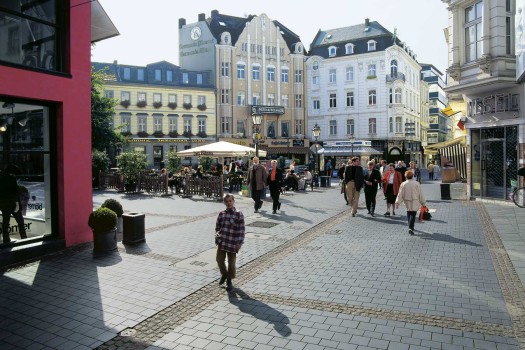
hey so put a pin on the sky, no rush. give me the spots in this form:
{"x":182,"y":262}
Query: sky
{"x":149,"y":29}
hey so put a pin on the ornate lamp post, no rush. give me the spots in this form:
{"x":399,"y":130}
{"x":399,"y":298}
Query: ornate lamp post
{"x":316,"y":132}
{"x":352,"y":141}
{"x":257,"y":120}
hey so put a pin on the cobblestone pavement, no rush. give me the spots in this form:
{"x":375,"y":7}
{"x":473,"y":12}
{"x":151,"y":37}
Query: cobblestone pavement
{"x":311,"y":277}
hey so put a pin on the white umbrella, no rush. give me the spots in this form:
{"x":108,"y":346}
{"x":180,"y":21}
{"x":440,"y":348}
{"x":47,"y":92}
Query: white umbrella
{"x":221,"y":149}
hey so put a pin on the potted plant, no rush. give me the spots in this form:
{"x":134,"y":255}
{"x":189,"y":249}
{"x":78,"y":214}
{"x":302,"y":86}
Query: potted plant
{"x":172,"y":105}
{"x":202,"y":107}
{"x":131,"y":164}
{"x":125,"y":103}
{"x":103,"y":222}
{"x":202,"y":134}
{"x":142,"y":134}
{"x":157,"y":104}
{"x":187,"y":134}
{"x":141,"y":103}
{"x":115,"y":205}
{"x":173,"y":133}
{"x":187,"y":105}
{"x":158,"y":134}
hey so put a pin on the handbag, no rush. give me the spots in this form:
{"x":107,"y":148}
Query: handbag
{"x":424,"y":214}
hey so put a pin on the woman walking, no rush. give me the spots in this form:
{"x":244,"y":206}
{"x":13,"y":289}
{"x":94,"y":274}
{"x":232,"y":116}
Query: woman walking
{"x":411,"y":194}
{"x":372,"y":179}
{"x":392,"y":179}
{"x":275,"y":182}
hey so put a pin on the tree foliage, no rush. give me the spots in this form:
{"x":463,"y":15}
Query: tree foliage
{"x":173,"y":162}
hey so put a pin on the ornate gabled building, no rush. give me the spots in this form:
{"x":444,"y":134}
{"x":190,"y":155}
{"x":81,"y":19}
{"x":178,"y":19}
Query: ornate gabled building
{"x":257,"y":66}
{"x":161,"y":107}
{"x":363,"y":88}
{"x":482,"y":74}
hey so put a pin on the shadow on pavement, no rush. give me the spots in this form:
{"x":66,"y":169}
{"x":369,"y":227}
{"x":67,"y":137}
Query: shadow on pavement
{"x":445,"y":238}
{"x":260,"y":310}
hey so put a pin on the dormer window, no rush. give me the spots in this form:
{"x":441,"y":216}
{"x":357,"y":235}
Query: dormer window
{"x":225,"y":38}
{"x":349,"y":49}
{"x":332,"y":51}
{"x":372,"y":45}
{"x":299,"y":48}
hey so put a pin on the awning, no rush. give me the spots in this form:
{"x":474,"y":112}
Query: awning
{"x":101,"y":25}
{"x":286,"y":150}
{"x":448,"y":111}
{"x":348,"y":151}
{"x":438,"y":146}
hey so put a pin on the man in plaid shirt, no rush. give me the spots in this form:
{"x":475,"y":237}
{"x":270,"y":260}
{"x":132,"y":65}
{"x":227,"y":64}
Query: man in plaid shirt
{"x":229,"y":236}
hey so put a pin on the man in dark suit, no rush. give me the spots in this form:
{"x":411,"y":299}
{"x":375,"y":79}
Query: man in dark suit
{"x":354,"y":182}
{"x":275,"y":182}
{"x":341,"y":175}
{"x":402,"y":169}
{"x":372,"y":179}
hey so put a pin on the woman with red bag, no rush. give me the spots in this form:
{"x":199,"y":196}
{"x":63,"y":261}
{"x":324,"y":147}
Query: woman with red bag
{"x":411,"y":194}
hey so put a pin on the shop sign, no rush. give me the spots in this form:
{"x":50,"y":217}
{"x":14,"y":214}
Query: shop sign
{"x":278,"y":143}
{"x":298,"y":143}
{"x":258,"y":109}
{"x":496,"y":103}
{"x":166,"y":140}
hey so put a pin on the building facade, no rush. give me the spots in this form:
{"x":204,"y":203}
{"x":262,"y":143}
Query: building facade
{"x":364,"y":88}
{"x":258,"y":69}
{"x":45,"y":118}
{"x":161,"y":107}
{"x":482,"y":72}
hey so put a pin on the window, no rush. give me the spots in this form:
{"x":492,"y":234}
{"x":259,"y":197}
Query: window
{"x":349,"y":49}
{"x":315,"y":80}
{"x":372,"y":126}
{"x":350,"y":127}
{"x":172,"y":123}
{"x":124,"y":96}
{"x":201,"y":125}
{"x":199,"y":78}
{"x":225,"y":96}
{"x":332,"y":76}
{"x":284,"y":100}
{"x":398,"y":95}
{"x":241,"y":99}
{"x":399,"y":124}
{"x":157,"y":97}
{"x":285,"y":129}
{"x":270,"y":130}
{"x":225,"y":69}
{"x":316,"y":104}
{"x":169,"y":75}
{"x":157,"y":124}
{"x":108,"y":94}
{"x":240,"y":71}
{"x":315,"y":65}
{"x":186,"y":99}
{"x":126,"y":123}
{"x":256,"y":73}
{"x":244,"y":47}
{"x":271,"y":100}
{"x":333,"y":100}
{"x":393,"y":68}
{"x":225,"y":125}
{"x":298,"y":100}
{"x":127,"y":73}
{"x":298,"y":76}
{"x":185,"y":78}
{"x":158,"y":75}
{"x":284,"y":75}
{"x":141,"y":97}
{"x":350,"y":99}
{"x":372,"y":97}
{"x":256,"y":99}
{"x":172,"y":98}
{"x":201,"y":100}
{"x":349,"y":73}
{"x":187,"y":124}
{"x":371,"y":71}
{"x":333,"y":127}
{"x":271,"y":74}
{"x":240,"y":127}
{"x":371,"y":45}
{"x":299,"y":127}
{"x":332,"y":51}
{"x":140,"y":74}
{"x":142,"y":123}
{"x":473,"y":31}
{"x":390,"y":125}
{"x":507,"y":36}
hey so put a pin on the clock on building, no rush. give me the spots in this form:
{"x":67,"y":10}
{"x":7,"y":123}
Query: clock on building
{"x":195,"y":33}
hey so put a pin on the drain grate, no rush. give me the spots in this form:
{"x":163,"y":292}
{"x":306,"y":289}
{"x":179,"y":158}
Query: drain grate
{"x":263,"y":224}
{"x":128,"y":332}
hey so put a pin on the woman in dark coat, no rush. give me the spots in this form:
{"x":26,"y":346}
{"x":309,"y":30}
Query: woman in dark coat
{"x":372,"y":179}
{"x":275,"y":182}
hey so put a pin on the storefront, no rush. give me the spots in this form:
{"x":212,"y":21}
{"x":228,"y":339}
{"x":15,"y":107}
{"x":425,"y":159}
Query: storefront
{"x":287,"y":148}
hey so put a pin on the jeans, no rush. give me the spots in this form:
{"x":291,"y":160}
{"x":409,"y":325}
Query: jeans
{"x":256,"y":196}
{"x":411,"y":216}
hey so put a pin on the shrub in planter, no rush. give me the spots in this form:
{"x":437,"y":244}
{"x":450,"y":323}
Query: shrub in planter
{"x":202,"y":107}
{"x":99,"y":162}
{"x":125,"y":103}
{"x":173,"y":133}
{"x":187,"y":105}
{"x":187,"y":134}
{"x":102,"y":220}
{"x":141,"y":104}
{"x":157,"y":104}
{"x":142,"y":134}
{"x":131,"y":164}
{"x":202,"y":134}
{"x":158,"y":134}
{"x":173,"y":162}
{"x":172,"y":105}
{"x":114,"y":205}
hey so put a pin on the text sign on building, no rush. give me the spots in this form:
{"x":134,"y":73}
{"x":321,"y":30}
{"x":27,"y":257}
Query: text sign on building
{"x":257,"y":109}
{"x":493,"y":104}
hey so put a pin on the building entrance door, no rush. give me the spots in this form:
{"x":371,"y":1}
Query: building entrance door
{"x":493,"y":168}
{"x":158,"y":156}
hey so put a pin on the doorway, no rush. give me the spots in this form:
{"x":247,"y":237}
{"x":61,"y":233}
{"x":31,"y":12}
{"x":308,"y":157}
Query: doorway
{"x":158,"y":156}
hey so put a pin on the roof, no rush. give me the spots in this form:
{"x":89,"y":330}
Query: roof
{"x":346,"y":34}
{"x":101,"y":25}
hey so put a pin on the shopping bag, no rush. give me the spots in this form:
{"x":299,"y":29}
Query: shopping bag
{"x":424,"y":214}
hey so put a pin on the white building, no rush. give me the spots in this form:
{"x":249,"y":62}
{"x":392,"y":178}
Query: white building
{"x":363,"y":85}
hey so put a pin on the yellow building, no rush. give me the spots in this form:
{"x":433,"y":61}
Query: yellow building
{"x":161,"y":107}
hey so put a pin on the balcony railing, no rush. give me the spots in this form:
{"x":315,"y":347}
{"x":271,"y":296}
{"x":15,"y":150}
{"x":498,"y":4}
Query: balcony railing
{"x":390,"y":78}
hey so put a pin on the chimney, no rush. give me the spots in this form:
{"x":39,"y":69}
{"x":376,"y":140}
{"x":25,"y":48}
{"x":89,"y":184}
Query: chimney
{"x":367,"y":24}
{"x":214,"y":13}
{"x":115,"y":62}
{"x":202,"y":17}
{"x":182,"y":22}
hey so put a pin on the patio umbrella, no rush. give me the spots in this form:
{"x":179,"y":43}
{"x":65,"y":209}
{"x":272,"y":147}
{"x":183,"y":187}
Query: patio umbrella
{"x":221,"y":149}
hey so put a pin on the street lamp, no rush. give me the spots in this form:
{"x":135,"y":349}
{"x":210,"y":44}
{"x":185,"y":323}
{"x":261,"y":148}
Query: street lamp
{"x":352,"y":141}
{"x":257,"y":120}
{"x":316,"y":132}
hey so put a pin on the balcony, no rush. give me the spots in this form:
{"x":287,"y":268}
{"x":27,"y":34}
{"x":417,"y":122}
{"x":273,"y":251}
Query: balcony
{"x":390,"y":78}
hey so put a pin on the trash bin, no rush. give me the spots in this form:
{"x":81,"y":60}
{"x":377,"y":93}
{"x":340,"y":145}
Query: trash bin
{"x":445,"y":191}
{"x":323,"y":181}
{"x":133,"y":228}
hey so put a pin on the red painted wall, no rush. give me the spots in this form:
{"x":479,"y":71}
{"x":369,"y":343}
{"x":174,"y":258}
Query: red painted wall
{"x":73,"y":99}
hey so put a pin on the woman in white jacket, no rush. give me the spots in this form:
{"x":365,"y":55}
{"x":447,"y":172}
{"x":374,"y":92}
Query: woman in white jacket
{"x":411,"y":194}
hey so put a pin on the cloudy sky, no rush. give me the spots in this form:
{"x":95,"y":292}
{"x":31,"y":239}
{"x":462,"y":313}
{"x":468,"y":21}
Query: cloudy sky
{"x":149,"y":29}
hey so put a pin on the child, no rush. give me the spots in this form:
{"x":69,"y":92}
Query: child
{"x":229,"y":237}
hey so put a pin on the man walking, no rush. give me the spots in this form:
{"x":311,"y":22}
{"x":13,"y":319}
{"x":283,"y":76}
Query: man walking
{"x":372,"y":179}
{"x":430,"y":169}
{"x":229,"y":237}
{"x":10,"y":202}
{"x":354,"y":183}
{"x":256,"y":179}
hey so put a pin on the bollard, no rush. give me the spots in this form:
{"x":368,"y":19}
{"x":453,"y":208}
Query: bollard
{"x":133,"y":228}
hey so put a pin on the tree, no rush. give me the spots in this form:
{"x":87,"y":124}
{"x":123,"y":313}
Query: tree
{"x":103,"y":136}
{"x":173,"y":162}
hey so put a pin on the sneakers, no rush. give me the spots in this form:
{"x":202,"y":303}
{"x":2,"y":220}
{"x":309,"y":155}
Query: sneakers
{"x":387,"y":214}
{"x":222,"y":280}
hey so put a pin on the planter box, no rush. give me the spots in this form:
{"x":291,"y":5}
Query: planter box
{"x":105,"y":241}
{"x":134,"y":230}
